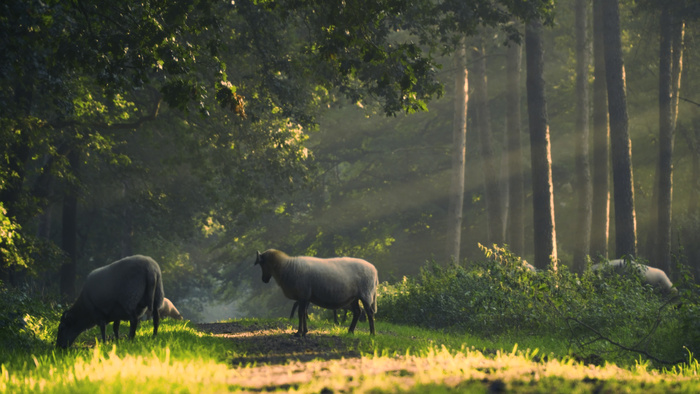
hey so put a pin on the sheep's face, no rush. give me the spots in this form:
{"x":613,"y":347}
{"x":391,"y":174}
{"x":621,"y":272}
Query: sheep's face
{"x":266,"y":272}
{"x":67,"y":329}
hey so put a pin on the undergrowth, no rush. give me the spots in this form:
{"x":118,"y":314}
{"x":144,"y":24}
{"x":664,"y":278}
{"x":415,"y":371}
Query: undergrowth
{"x":601,"y":316}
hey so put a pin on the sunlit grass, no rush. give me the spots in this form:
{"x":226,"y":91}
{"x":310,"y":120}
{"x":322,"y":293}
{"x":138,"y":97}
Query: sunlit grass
{"x":398,"y":358}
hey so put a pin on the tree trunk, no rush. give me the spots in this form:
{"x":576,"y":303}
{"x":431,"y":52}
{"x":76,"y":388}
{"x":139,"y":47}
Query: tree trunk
{"x":600,"y":218}
{"x":516,"y":204}
{"x":69,"y":232}
{"x":620,"y":143}
{"x":492,"y":190}
{"x":583,"y":171}
{"x":664,"y":171}
{"x":669,"y":85}
{"x":459,"y":153}
{"x":540,"y":148}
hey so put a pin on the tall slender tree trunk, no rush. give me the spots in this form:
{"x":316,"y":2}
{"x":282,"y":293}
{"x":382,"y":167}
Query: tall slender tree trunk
{"x":600,"y":218}
{"x":459,"y":153}
{"x":69,"y":233}
{"x":516,"y":204}
{"x":492,"y":190}
{"x":668,"y":110}
{"x":541,"y":151}
{"x":664,"y":171}
{"x":620,"y":143}
{"x":583,"y":171}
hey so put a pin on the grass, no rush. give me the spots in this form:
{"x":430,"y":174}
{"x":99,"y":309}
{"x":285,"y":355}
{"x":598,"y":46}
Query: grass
{"x":398,"y":359}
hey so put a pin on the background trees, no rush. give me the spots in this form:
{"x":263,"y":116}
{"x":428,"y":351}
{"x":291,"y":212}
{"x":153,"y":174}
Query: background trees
{"x":204,"y":131}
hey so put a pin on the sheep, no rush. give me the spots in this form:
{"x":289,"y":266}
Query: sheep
{"x":122,"y":290}
{"x":166,"y":310}
{"x":329,"y":283}
{"x":528,"y":267}
{"x":650,"y":275}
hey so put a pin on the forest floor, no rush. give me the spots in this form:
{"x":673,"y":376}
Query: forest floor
{"x":268,"y":357}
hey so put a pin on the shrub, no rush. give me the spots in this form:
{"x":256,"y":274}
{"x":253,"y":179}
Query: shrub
{"x":26,"y":320}
{"x":498,"y":295}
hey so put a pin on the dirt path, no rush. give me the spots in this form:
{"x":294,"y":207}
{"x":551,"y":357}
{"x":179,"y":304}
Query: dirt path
{"x":274,"y":344}
{"x":277,"y":360}
{"x":267,"y":357}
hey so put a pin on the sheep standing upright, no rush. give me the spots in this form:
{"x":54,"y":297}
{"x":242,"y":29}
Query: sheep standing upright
{"x":329,"y":283}
{"x":122,"y":290}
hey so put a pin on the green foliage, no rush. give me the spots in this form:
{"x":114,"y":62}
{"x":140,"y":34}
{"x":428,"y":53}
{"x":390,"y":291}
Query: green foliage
{"x":27,"y":322}
{"x":489,"y":298}
{"x":498,"y":296}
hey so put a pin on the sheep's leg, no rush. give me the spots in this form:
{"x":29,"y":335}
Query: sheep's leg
{"x":133,"y":324}
{"x":115,"y":328}
{"x":306,"y":318}
{"x":156,"y":321}
{"x":102,"y":330}
{"x":370,"y":315}
{"x":355,"y":306}
{"x":302,"y":318}
{"x":294,"y":308}
{"x":335,"y":316}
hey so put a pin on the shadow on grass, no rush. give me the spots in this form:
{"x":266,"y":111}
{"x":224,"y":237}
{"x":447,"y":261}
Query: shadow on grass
{"x":274,"y":343}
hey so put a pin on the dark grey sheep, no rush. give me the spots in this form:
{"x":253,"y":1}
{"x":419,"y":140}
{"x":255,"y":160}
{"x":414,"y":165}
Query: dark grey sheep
{"x":329,"y":283}
{"x":122,"y":290}
{"x":650,"y":275}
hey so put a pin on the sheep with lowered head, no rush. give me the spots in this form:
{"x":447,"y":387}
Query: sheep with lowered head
{"x":650,"y":275}
{"x":329,"y":283}
{"x":122,"y":290}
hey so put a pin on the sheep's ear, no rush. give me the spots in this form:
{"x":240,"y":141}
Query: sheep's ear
{"x":257,"y":258}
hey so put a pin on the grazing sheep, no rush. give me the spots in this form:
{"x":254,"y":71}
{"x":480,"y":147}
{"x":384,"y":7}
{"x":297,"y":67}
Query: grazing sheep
{"x":529,"y":267}
{"x":329,"y":283}
{"x":122,"y":290}
{"x":650,"y":275}
{"x":166,"y":310}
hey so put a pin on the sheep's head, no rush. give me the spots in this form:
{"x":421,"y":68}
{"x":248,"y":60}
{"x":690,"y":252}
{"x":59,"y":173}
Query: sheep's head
{"x":67,"y":329}
{"x":73,"y":321}
{"x":266,"y":271}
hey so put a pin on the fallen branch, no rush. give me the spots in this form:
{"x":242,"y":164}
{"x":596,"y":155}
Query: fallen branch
{"x":601,"y":337}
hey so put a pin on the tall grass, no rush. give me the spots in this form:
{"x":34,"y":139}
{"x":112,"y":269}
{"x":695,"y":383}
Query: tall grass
{"x":179,"y":359}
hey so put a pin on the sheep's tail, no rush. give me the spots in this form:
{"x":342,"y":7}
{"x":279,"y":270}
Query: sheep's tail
{"x":157,"y":291}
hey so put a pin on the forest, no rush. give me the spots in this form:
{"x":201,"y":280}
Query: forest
{"x":430,"y":138}
{"x":483,"y":155}
{"x":200,"y":133}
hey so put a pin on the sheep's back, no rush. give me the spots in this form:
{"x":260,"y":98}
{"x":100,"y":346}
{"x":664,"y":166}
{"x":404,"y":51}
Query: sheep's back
{"x":120,"y":289}
{"x":334,"y":280}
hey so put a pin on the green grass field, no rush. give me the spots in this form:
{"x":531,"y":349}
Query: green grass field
{"x":183,"y":359}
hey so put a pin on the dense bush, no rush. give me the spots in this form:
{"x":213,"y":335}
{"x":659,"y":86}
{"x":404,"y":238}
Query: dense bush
{"x":26,"y":320}
{"x":499,"y":295}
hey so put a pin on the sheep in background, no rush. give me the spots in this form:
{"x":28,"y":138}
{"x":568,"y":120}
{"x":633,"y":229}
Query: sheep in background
{"x":329,"y":283}
{"x":122,"y":290}
{"x":650,"y":275}
{"x":166,"y":310}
